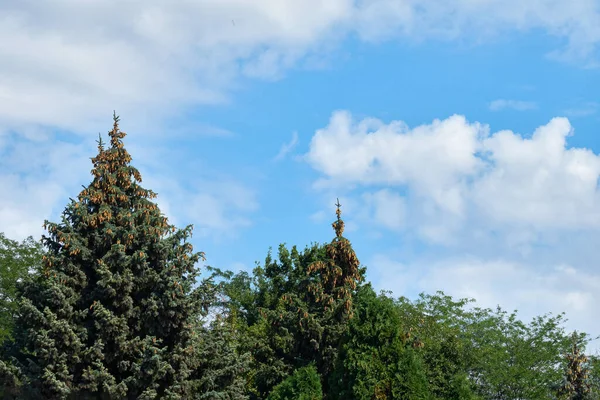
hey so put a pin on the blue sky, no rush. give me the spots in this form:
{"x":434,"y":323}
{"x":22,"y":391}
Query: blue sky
{"x":250,"y":118}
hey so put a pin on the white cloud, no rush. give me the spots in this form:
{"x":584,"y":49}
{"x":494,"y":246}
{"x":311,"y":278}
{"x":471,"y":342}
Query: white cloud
{"x":68,"y":63}
{"x":388,"y":208}
{"x":287,"y":147}
{"x":373,"y":152}
{"x":450,"y":20}
{"x":519,"y":105}
{"x":538,"y":182}
{"x":460,"y":179}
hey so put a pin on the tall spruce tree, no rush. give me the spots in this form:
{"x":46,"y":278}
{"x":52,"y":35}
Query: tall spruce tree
{"x":112,"y":313}
{"x":337,"y":279}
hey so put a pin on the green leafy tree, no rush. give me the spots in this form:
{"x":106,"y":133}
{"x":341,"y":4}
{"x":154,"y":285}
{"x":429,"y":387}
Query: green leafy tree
{"x":112,"y":314}
{"x":491,"y":352}
{"x":303,"y":384}
{"x":442,"y":325}
{"x":378,"y":360}
{"x":273,"y":311}
{"x":17,"y":261}
{"x":518,"y":360}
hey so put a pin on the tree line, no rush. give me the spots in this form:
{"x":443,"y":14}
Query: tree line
{"x":112,"y":304}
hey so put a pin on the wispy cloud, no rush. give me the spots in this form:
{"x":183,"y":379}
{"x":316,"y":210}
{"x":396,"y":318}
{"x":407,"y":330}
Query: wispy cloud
{"x":286,"y":148}
{"x":585,"y":110}
{"x":518,"y":105}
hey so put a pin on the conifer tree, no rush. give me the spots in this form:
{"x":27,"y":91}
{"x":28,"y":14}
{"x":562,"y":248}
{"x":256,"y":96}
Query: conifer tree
{"x":337,"y":279}
{"x":313,"y":303}
{"x":220,"y":369}
{"x":112,"y":313}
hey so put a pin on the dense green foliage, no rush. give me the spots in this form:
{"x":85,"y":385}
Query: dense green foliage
{"x":303,"y":384}
{"x":378,"y":359}
{"x":218,"y":368}
{"x":17,"y":260}
{"x":493,"y":352}
{"x":110,"y":308}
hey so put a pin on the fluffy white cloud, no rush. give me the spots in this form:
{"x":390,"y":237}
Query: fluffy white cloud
{"x":68,"y":63}
{"x":460,"y":178}
{"x":539,"y":182}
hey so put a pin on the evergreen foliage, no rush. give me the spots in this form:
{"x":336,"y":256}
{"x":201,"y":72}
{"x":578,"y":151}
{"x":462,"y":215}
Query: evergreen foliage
{"x":302,"y":302}
{"x":218,"y":367}
{"x":111,"y":315}
{"x":282,"y":332}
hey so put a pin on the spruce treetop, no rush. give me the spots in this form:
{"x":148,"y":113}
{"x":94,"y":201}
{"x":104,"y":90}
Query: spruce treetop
{"x":341,"y":273}
{"x":338,"y":225}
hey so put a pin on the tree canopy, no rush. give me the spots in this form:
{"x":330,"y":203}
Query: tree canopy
{"x":110,"y":306}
